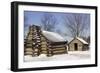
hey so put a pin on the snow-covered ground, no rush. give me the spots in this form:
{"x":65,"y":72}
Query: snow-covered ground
{"x":72,"y":55}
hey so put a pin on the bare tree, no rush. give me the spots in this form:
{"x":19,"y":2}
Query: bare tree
{"x":76,"y":23}
{"x":48,"y":21}
{"x":58,"y":31}
{"x":88,"y":39}
{"x":25,"y":20}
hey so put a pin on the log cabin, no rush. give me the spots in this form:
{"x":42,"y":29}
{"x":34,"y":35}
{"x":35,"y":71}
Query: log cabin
{"x":78,"y":44}
{"x":36,"y":43}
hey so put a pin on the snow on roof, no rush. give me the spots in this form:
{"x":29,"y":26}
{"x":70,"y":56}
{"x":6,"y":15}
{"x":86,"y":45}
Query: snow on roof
{"x":83,"y":41}
{"x":52,"y":36}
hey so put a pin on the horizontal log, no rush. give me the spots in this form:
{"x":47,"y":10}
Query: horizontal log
{"x":43,"y":46}
{"x":58,"y":43}
{"x":29,"y":49}
{"x":59,"y":46}
{"x":44,"y":52}
{"x":28,"y":45}
{"x":29,"y":53}
{"x":59,"y":51}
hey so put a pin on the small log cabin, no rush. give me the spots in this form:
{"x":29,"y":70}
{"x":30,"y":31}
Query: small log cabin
{"x":36,"y":43}
{"x":78,"y":44}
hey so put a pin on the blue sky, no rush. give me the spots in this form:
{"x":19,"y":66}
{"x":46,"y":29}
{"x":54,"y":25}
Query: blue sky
{"x":34,"y":17}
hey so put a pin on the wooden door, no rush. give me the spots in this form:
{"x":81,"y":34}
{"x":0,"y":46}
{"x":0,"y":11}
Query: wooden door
{"x":75,"y":46}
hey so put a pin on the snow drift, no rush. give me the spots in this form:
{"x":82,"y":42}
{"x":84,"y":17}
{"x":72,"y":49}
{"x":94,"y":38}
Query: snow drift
{"x":76,"y":55}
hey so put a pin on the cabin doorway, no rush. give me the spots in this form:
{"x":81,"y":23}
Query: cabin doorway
{"x":75,"y":46}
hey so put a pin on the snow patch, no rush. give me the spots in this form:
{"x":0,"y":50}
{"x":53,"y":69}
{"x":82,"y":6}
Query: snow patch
{"x":80,"y":39}
{"x":54,"y":37}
